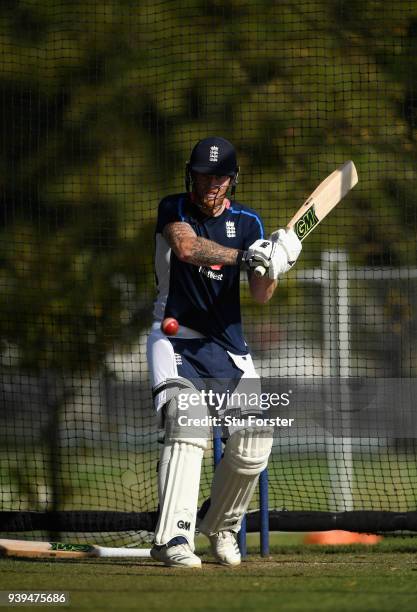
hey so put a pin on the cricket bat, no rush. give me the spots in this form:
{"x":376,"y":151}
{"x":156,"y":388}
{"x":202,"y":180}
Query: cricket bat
{"x":318,"y":205}
{"x":23,"y":548}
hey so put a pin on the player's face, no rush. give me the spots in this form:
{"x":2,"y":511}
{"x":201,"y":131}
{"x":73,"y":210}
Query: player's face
{"x":210,"y":190}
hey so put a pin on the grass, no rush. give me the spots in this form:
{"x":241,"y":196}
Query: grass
{"x":110,"y":480}
{"x":295,"y":578}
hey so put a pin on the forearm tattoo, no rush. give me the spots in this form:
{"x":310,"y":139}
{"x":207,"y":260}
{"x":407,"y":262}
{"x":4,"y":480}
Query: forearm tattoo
{"x":207,"y":252}
{"x":196,"y":250}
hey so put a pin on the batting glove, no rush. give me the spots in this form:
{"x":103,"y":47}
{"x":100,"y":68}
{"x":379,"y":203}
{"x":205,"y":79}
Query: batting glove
{"x":290,"y":242}
{"x":277,"y":255}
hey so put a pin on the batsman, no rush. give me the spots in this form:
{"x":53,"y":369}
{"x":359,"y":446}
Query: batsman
{"x":203,"y":239}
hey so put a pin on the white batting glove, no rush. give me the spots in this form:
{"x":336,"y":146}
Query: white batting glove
{"x":277,"y":255}
{"x":290,"y":242}
{"x":259,"y":253}
{"x":268,"y":255}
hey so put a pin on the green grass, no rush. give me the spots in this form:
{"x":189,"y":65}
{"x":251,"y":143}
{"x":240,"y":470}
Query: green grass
{"x":294,"y":578}
{"x":110,"y":480}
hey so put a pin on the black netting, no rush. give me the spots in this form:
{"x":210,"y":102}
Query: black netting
{"x":101,"y":104}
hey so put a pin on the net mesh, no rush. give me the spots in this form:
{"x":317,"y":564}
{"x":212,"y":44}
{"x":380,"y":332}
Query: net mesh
{"x":101,"y":105}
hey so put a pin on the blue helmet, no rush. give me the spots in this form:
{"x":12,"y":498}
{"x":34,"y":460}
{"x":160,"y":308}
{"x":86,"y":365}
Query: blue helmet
{"x":213,"y":155}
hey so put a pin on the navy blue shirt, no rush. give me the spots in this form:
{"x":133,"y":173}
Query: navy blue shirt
{"x":204,"y":298}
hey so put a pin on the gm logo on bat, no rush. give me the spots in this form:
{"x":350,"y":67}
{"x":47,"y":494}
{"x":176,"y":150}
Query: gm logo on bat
{"x":307,"y":223}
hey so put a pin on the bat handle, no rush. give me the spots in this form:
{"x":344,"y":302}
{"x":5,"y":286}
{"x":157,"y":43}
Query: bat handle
{"x":260,"y":271}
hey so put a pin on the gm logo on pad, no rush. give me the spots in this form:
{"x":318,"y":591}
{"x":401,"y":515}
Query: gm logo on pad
{"x":184,"y":525}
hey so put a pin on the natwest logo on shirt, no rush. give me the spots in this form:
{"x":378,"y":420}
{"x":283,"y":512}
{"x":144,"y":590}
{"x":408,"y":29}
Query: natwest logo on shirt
{"x":211,"y":272}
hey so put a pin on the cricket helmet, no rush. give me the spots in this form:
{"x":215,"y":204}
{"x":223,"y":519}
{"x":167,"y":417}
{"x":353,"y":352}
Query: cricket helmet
{"x":213,"y":155}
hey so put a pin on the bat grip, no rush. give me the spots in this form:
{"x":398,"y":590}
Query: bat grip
{"x":260,"y":271}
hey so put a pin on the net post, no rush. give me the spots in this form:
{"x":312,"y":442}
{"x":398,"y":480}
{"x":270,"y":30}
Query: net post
{"x":217,"y":446}
{"x":336,"y":336}
{"x":264,"y":513}
{"x":241,"y":539}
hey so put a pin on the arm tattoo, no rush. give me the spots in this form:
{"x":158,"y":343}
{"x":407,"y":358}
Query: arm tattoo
{"x":206,"y":252}
{"x":196,"y":250}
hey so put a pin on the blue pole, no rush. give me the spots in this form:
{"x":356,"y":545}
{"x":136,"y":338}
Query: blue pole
{"x":264,"y":513}
{"x":217,"y":445}
{"x":241,"y":538}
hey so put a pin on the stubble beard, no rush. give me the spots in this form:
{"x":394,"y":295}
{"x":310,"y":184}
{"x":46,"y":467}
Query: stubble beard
{"x":211,"y":205}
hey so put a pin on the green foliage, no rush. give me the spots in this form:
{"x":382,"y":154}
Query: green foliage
{"x":103,"y":100}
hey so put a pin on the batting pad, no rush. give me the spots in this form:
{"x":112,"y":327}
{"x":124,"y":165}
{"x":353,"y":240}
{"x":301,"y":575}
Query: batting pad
{"x":245,"y":457}
{"x":179,"y":481}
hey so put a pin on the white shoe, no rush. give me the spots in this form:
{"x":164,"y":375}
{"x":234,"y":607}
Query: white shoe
{"x":180,"y":555}
{"x":225,"y":548}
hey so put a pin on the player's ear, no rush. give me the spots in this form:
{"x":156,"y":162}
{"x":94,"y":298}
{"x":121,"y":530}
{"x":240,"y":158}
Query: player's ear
{"x":234,"y":182}
{"x":235,"y":179}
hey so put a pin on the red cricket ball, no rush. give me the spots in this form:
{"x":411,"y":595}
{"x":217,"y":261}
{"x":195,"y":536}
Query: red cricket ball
{"x":170,"y":326}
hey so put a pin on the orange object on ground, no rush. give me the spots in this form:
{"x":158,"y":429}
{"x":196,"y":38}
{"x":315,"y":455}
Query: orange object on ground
{"x":338,"y":537}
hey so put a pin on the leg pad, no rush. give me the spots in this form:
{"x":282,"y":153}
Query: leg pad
{"x":179,"y":481}
{"x":245,"y":457}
